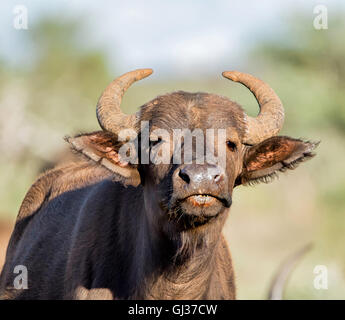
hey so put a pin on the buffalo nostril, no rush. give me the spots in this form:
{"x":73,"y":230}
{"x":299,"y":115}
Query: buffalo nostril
{"x":184,"y":176}
{"x":218,"y":178}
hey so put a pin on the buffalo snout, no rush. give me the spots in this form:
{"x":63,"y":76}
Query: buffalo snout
{"x":200,"y":190}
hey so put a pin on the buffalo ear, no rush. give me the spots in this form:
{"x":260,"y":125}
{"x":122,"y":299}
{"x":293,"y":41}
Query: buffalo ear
{"x":263,"y":161}
{"x":101,"y":147}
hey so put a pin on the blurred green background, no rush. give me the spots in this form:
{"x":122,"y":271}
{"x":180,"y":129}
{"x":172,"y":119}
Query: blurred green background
{"x":54,"y":94}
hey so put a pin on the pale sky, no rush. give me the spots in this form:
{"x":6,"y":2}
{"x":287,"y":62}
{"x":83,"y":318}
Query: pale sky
{"x":175,"y":36}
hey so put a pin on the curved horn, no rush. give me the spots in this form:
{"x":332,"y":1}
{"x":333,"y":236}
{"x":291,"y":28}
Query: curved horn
{"x":271,"y":116}
{"x":278,"y":284}
{"x":109,"y":115}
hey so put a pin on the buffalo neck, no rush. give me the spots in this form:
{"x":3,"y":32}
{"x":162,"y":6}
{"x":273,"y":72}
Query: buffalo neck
{"x":176,"y":265}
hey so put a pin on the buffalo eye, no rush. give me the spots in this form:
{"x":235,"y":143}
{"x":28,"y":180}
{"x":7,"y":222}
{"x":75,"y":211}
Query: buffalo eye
{"x":155,"y":142}
{"x":231,"y":145}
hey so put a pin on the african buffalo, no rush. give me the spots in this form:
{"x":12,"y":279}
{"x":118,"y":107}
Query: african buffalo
{"x":123,"y":222}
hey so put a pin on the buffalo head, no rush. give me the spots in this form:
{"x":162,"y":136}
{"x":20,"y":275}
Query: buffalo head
{"x":187,"y":151}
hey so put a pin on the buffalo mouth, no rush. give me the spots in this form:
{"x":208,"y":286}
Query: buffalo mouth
{"x":201,"y":200}
{"x":205,"y":200}
{"x":197,"y":209}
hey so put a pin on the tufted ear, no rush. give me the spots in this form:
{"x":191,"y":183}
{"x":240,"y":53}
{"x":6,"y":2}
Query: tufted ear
{"x":277,"y":154}
{"x":101,"y":147}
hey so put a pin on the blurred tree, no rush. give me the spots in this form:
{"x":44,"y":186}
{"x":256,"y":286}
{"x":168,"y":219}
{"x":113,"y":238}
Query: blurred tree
{"x":57,"y":92}
{"x":312,"y":60}
{"x":65,"y":70}
{"x":42,"y":102}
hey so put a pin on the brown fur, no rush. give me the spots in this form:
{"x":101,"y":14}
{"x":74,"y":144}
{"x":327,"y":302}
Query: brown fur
{"x":94,"y":230}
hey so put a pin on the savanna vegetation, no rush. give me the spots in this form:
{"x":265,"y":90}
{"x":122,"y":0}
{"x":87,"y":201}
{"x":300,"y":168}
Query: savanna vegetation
{"x":56,"y":95}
